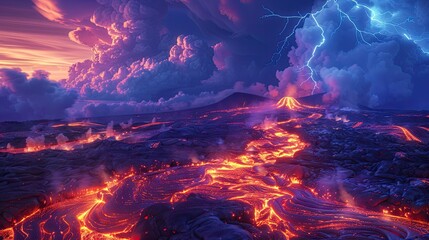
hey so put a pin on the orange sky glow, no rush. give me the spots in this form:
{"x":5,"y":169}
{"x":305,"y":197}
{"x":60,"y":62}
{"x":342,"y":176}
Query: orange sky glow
{"x":31,"y":42}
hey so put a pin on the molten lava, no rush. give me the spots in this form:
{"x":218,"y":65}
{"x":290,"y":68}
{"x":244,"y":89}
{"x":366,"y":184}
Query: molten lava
{"x":358,"y":124}
{"x":87,"y":138}
{"x":148,"y":125}
{"x":77,"y":124}
{"x":408,"y":135}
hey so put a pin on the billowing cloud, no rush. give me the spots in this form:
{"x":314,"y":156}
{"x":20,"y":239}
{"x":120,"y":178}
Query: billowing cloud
{"x":135,"y":29}
{"x":89,"y":36}
{"x":146,"y":59}
{"x":190,"y":61}
{"x":26,"y":98}
{"x":148,"y":53}
{"x":385,"y":70}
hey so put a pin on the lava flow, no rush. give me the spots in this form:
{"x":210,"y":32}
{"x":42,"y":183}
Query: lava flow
{"x":408,"y":135}
{"x":204,"y":178}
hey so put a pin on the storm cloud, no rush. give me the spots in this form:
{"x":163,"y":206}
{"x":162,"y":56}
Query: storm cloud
{"x":146,"y":51}
{"x":24,"y":98}
{"x":216,"y":50}
{"x":381,"y":70}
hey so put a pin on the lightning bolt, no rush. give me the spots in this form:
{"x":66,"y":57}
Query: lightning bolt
{"x":379,"y":28}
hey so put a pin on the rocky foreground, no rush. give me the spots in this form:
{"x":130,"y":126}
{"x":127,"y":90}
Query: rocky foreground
{"x":244,"y":168}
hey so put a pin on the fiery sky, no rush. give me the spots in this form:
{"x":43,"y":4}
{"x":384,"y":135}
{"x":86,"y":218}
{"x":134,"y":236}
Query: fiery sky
{"x":31,"y":42}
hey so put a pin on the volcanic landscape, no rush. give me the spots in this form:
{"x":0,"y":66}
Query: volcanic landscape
{"x":243,"y":168}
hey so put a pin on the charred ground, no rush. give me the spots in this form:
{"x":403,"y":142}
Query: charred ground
{"x":240,"y":169}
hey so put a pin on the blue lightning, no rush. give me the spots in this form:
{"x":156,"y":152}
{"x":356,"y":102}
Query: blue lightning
{"x":379,"y":28}
{"x":300,"y":20}
{"x":313,"y":54}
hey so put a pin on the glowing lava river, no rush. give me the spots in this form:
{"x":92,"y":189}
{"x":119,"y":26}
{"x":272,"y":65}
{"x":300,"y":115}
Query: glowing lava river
{"x":253,"y":170}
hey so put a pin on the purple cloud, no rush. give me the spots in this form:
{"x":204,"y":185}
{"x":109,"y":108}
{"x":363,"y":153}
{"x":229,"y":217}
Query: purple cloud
{"x":189,"y":62}
{"x":26,"y":98}
{"x":89,"y":36}
{"x":225,"y":42}
{"x":145,"y":62}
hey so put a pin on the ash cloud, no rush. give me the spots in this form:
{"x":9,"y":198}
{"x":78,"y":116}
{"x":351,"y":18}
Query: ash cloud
{"x":36,"y":97}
